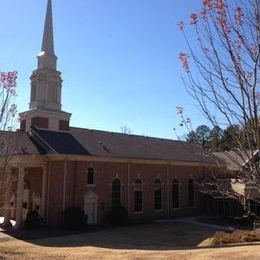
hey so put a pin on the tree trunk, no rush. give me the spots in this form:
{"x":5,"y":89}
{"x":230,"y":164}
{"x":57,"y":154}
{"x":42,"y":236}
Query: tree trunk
{"x":7,"y":222}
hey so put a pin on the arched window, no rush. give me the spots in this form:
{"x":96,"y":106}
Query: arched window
{"x":157,"y":194}
{"x":138,"y":195}
{"x":175,"y":193}
{"x":90,"y":176}
{"x":191,"y":191}
{"x":116,"y":189}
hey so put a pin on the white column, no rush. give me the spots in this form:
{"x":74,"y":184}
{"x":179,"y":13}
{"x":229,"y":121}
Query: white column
{"x":44,"y":181}
{"x":19,"y":199}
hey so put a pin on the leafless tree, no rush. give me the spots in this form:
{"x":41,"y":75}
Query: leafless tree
{"x":223,"y":67}
{"x":8,"y":121}
{"x":125,"y":130}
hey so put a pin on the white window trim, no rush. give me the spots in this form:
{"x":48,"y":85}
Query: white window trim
{"x":142,"y":190}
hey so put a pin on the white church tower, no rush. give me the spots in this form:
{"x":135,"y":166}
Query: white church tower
{"x":46,"y":84}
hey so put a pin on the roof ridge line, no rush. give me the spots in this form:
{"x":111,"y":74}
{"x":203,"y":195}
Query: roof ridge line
{"x":134,"y":135}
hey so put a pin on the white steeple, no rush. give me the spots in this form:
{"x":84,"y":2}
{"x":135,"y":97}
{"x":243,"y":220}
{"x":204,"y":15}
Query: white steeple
{"x":46,"y":83}
{"x":47,"y":56}
{"x":47,"y":41}
{"x":46,"y":80}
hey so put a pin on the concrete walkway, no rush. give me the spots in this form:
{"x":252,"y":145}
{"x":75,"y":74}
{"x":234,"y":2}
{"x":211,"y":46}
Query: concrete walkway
{"x":192,"y":220}
{"x":3,"y":236}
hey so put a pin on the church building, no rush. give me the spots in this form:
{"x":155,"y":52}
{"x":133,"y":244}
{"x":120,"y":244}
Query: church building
{"x":61,"y":166}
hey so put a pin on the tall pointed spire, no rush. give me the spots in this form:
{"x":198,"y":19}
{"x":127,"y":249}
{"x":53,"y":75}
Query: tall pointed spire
{"x":47,"y":58}
{"x":47,"y":41}
{"x":46,"y":85}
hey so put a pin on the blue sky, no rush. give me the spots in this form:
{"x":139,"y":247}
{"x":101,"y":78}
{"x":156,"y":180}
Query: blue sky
{"x":118,"y":60}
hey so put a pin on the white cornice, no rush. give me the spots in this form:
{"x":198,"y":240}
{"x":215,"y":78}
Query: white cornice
{"x":45,"y":113}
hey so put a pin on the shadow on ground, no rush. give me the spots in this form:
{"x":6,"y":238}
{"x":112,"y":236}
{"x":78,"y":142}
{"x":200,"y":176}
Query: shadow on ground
{"x":163,"y":236}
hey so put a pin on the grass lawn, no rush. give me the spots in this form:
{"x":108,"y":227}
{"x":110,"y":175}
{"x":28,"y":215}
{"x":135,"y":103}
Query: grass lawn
{"x":153,"y":241}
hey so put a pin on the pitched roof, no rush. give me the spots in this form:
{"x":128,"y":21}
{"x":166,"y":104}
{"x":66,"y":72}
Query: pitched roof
{"x":105,"y":143}
{"x":80,"y":141}
{"x":19,"y":143}
{"x":230,"y":159}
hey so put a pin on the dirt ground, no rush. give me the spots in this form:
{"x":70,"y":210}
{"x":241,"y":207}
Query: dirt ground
{"x":153,"y":241}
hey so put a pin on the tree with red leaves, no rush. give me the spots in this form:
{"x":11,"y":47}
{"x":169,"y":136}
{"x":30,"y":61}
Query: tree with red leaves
{"x":222,"y":67}
{"x":8,"y":111}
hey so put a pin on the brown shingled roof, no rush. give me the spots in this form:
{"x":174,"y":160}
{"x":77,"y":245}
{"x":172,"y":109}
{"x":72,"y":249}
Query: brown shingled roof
{"x":105,"y":143}
{"x":22,"y":143}
{"x":231,"y":159}
{"x":80,"y":141}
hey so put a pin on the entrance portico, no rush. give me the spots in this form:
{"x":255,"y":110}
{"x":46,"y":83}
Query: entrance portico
{"x":31,"y":174}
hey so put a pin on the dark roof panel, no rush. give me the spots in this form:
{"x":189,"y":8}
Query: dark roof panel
{"x":59,"y":142}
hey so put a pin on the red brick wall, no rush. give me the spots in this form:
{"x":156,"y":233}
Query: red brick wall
{"x":40,"y":122}
{"x":148,"y":173}
{"x":55,"y":190}
{"x":183,"y":174}
{"x":23,"y":125}
{"x":64,"y":125}
{"x":33,"y":178}
{"x":76,"y":187}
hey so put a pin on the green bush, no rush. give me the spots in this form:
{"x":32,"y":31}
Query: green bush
{"x":118,"y":215}
{"x":33,"y":220}
{"x":73,"y":218}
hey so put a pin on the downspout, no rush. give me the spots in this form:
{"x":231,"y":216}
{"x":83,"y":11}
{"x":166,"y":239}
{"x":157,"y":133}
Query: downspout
{"x":168,"y":194}
{"x":64,"y":184}
{"x":48,"y":192}
{"x":74,"y":182}
{"x":128,"y":188}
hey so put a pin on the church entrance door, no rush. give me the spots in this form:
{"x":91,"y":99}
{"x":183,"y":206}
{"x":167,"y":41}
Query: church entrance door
{"x":90,"y":207}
